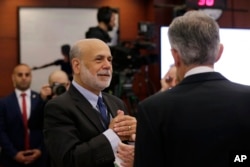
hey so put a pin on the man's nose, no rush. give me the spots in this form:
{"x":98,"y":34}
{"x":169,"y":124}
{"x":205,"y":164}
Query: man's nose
{"x":107,"y":64}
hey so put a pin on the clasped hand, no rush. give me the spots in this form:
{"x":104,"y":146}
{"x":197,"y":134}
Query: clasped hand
{"x":27,"y":156}
{"x":124,"y":126}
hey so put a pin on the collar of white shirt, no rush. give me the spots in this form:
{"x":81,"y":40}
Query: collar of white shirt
{"x":199,"y":69}
{"x":90,"y":96}
{"x":19,"y":92}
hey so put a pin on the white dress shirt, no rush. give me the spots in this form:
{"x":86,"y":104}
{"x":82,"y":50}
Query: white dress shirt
{"x":27,"y":99}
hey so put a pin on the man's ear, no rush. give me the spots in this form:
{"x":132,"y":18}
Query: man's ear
{"x":221,"y":48}
{"x":176,"y":56}
{"x":13,"y":80}
{"x":76,"y":65}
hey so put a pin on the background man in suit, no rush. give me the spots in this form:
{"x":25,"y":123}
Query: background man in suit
{"x":76,"y":127}
{"x":203,"y":120}
{"x":21,"y":141}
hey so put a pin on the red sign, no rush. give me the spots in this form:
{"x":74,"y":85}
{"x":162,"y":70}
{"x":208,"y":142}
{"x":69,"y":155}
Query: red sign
{"x":206,"y":2}
{"x":218,"y":4}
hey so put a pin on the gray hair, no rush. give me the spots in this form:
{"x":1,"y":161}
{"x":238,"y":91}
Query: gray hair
{"x":196,"y":38}
{"x":75,"y":51}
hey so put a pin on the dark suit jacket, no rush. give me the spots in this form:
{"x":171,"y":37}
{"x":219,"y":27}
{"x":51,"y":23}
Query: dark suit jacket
{"x":12,"y":129}
{"x":199,"y":123}
{"x":73,"y":131}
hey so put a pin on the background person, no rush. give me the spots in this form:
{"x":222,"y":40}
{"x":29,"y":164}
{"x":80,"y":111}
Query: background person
{"x":58,"y":83}
{"x":203,"y":120}
{"x":64,"y":63}
{"x":21,"y":137}
{"x":106,"y":23}
{"x":76,"y":127}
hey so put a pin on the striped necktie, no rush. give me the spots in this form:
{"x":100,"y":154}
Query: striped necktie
{"x":103,"y":111}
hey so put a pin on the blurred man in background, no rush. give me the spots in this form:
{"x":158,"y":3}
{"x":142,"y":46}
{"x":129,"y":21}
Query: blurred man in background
{"x":58,"y":83}
{"x":64,"y":63}
{"x":21,"y":119}
{"x":106,"y":23}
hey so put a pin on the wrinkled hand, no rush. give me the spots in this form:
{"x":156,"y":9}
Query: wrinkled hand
{"x":28,"y":156}
{"x":123,"y":125}
{"x":45,"y":91}
{"x":126,"y":153}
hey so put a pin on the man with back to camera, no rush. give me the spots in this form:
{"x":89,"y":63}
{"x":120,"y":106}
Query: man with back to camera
{"x":204,"y":120}
{"x":106,"y":23}
{"x":21,"y":134}
{"x":79,"y":128}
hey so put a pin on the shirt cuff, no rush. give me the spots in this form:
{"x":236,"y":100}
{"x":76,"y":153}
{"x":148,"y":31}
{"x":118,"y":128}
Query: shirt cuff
{"x":113,"y":139}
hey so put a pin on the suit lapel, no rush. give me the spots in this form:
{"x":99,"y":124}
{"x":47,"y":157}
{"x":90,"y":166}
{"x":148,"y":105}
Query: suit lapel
{"x":33,"y":101}
{"x":109,"y":105}
{"x":16,"y":104}
{"x":13,"y":107}
{"x":86,"y":108}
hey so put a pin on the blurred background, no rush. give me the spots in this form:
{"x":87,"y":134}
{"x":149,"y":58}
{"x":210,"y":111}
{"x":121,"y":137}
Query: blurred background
{"x":138,"y":36}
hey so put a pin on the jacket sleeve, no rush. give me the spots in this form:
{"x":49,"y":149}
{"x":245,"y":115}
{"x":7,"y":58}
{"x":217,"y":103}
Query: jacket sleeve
{"x":5,"y":141}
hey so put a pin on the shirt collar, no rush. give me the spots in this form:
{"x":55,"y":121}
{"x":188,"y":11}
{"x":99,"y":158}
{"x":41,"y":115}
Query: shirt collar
{"x":19,"y":92}
{"x":91,"y":97}
{"x":199,"y":69}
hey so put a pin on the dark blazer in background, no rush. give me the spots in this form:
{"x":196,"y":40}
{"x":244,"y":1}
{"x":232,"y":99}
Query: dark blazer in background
{"x":198,"y":123}
{"x":73,"y":131}
{"x":12,"y":129}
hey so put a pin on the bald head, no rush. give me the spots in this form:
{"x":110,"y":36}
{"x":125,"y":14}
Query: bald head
{"x":16,"y":68}
{"x":21,"y":77}
{"x":86,"y":47}
{"x":58,"y":76}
